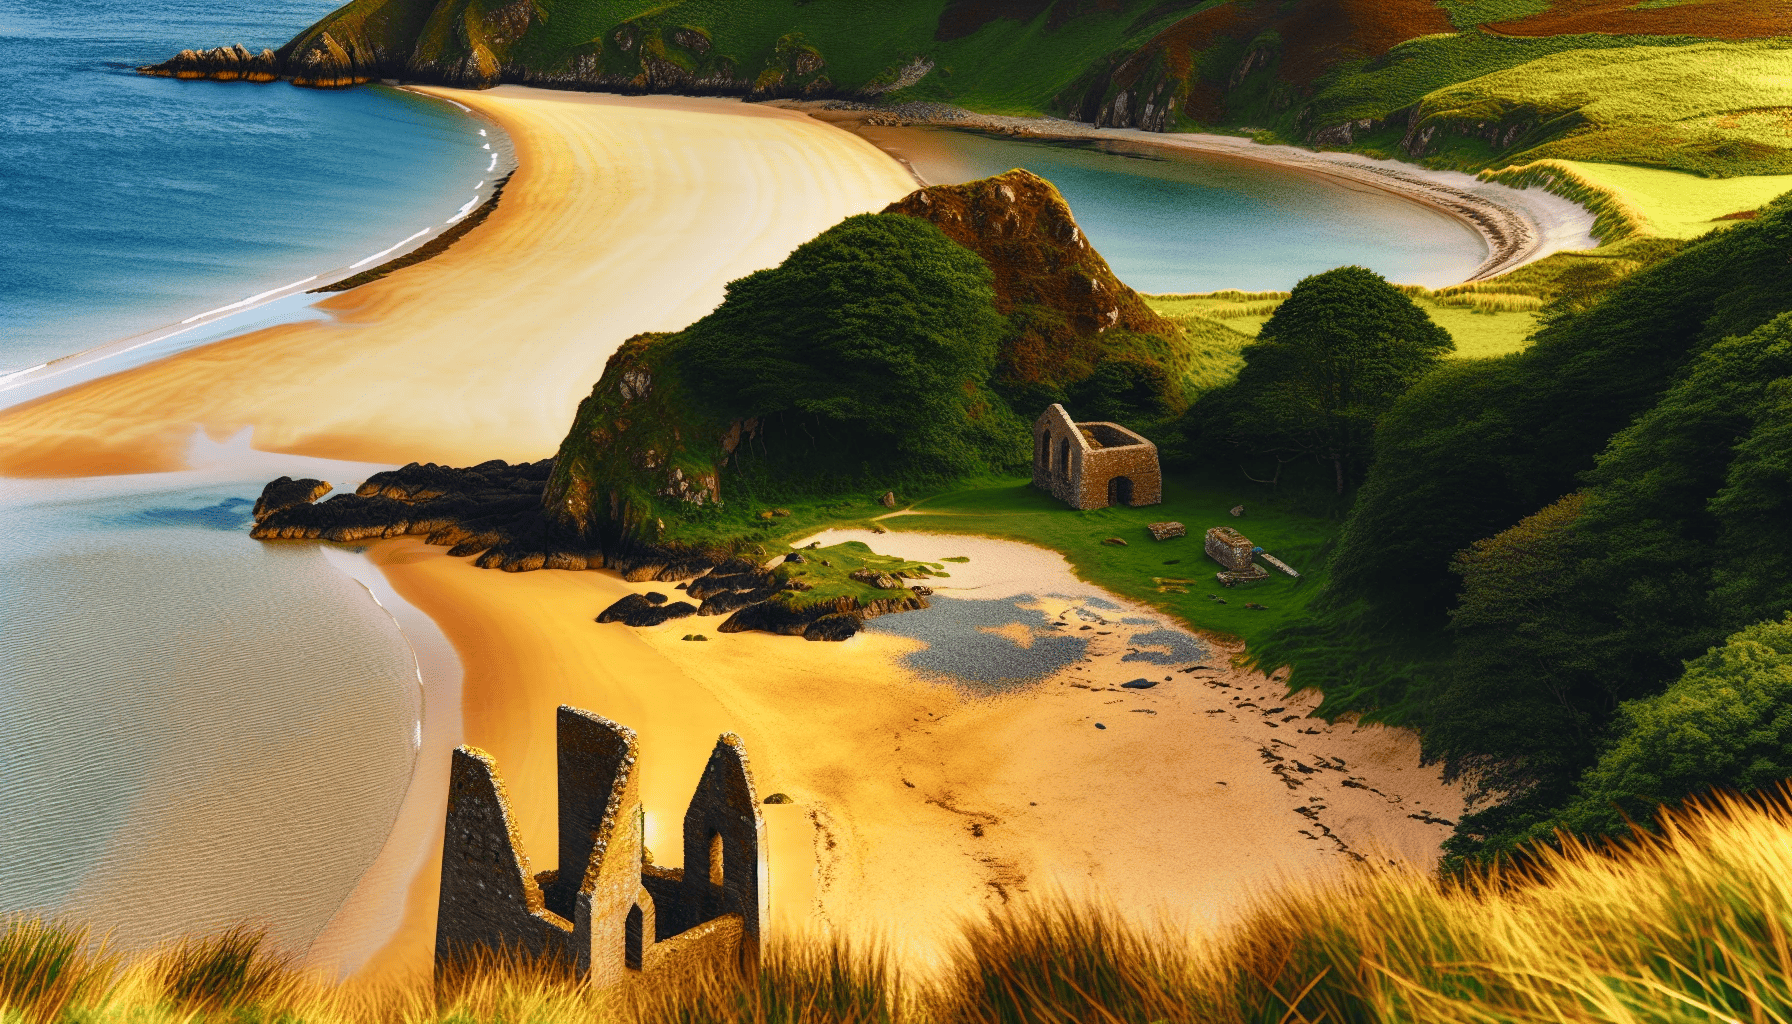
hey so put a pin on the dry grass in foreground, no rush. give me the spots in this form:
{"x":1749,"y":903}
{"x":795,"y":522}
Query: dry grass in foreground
{"x":1690,"y":924}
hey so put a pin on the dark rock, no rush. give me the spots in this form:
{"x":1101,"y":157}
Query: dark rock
{"x":837,"y":626}
{"x":655,"y":597}
{"x":879,"y":580}
{"x":637,"y":610}
{"x":888,"y":500}
{"x":1139,"y":684}
{"x":734,"y":600}
{"x":286,"y":492}
{"x":1098,"y":725}
{"x":795,"y":556}
{"x":779,"y":798}
{"x":920,"y":591}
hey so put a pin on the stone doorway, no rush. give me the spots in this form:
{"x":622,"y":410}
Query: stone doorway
{"x":1120,"y":491}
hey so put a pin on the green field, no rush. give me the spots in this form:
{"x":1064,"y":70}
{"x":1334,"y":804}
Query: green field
{"x":1674,"y":204}
{"x":1473,"y":317}
{"x":1174,"y":576}
{"x":1709,"y":108}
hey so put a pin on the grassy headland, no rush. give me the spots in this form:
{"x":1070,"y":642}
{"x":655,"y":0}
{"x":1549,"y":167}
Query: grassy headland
{"x":1688,"y":927}
{"x":1689,"y":85}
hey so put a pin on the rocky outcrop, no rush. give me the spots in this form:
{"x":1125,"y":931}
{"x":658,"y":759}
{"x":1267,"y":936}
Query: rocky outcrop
{"x":224,"y":64}
{"x":758,"y":599}
{"x":286,"y":492}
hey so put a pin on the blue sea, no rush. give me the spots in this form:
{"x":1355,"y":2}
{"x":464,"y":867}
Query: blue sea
{"x":128,"y":203}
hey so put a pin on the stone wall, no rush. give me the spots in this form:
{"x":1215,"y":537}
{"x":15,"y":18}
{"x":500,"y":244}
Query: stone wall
{"x":726,"y":808}
{"x":603,"y":911}
{"x":1078,"y":463}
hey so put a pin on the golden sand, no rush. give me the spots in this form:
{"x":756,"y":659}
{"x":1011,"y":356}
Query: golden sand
{"x":916,"y":804}
{"x":625,"y":215}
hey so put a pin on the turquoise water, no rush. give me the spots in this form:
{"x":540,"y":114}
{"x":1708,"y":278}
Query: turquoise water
{"x":1176,"y":221}
{"x":127,"y":203}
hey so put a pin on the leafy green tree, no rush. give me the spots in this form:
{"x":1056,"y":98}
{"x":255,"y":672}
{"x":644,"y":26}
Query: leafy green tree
{"x":877,"y":336}
{"x":1726,"y":722}
{"x":1328,"y":364}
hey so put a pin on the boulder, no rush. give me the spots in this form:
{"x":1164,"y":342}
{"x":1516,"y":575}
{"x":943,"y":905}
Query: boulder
{"x":637,"y":610}
{"x":880,"y":580}
{"x":1139,"y":684}
{"x":286,"y":492}
{"x":888,"y":500}
{"x":838,"y":626}
{"x":1165,"y":531}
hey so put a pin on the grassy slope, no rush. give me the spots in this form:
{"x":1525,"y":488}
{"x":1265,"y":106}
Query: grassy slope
{"x":1711,"y":108}
{"x":1686,"y":928}
{"x":1679,"y":205}
{"x":1005,"y":67}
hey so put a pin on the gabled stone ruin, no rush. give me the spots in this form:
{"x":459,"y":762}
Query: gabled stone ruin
{"x":1093,"y":465}
{"x":603,"y":911}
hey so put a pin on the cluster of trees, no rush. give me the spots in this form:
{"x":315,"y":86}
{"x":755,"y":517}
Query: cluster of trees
{"x":1568,"y":568}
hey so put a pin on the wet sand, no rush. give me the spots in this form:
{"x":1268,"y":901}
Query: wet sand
{"x":919,"y":802}
{"x":626,"y":214}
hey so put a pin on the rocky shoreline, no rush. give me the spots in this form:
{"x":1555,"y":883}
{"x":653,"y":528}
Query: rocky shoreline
{"x":492,"y":512}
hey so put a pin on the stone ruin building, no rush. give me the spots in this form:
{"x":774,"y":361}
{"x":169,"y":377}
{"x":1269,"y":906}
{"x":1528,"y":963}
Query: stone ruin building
{"x":604,"y":912}
{"x":1093,"y":465}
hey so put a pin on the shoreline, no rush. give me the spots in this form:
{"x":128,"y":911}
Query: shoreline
{"x":486,"y":350}
{"x":222,"y":318}
{"x":405,"y":371}
{"x":917,"y":801}
{"x":1517,"y":226}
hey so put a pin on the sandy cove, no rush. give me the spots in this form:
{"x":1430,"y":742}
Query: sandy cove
{"x":915,"y":804}
{"x":918,"y":804}
{"x":1518,"y":226}
{"x":626,"y":214}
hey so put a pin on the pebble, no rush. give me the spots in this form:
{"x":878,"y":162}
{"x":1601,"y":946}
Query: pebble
{"x":1098,"y":725}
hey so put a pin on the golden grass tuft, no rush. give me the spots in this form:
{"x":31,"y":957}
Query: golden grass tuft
{"x":1689,"y":923}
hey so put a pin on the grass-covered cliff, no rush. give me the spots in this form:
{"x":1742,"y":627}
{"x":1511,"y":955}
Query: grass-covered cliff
{"x":1685,"y":85}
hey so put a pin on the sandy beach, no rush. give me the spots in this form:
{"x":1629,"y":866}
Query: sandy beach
{"x":919,"y":803}
{"x":916,"y":801}
{"x":625,"y":215}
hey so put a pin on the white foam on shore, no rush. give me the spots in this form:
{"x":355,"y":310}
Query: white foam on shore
{"x":251,"y":300}
{"x":383,"y":252}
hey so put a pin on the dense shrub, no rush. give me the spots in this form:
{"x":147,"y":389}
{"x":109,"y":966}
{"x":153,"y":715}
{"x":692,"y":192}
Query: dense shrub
{"x":877,"y":334}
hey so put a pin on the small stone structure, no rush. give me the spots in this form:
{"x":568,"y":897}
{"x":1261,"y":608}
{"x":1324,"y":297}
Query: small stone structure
{"x":1093,"y":465}
{"x":1234,"y":551}
{"x":604,"y":912}
{"x":1228,"y":547}
{"x":1166,"y":531}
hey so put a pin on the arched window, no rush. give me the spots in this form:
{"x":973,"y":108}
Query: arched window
{"x":715,"y":860}
{"x":1042,"y":450}
{"x":633,"y":941}
{"x":1064,"y":459}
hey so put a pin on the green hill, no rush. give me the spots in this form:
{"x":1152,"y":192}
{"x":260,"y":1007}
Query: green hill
{"x":1685,"y":85}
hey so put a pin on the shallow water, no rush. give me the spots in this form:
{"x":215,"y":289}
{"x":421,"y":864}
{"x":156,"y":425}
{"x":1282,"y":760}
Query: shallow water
{"x":129,"y":202}
{"x":201,"y":729}
{"x":1182,"y":221}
